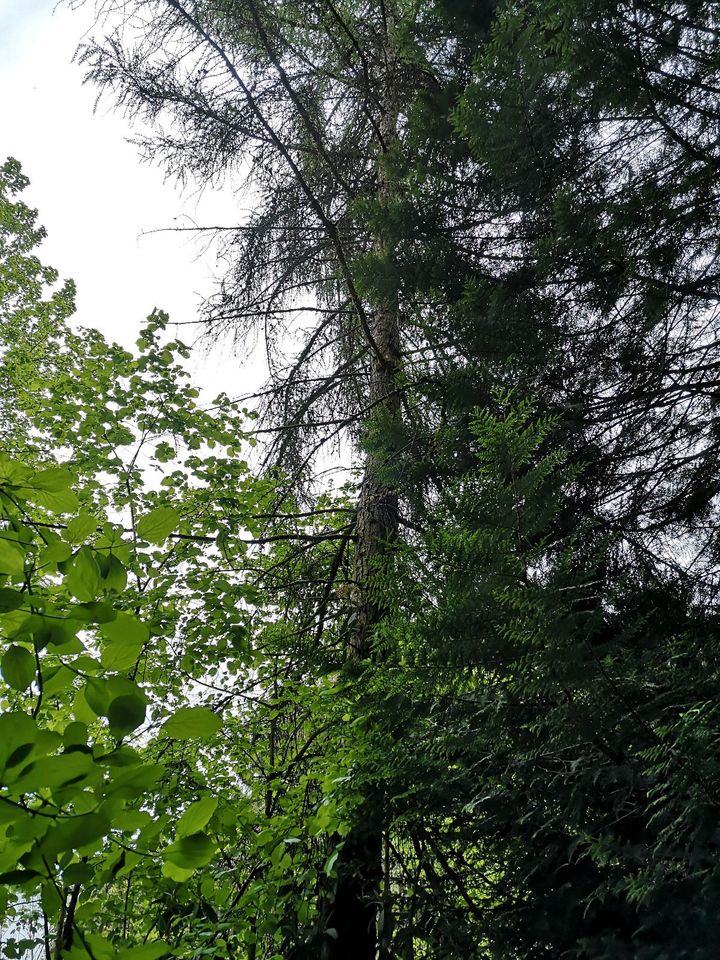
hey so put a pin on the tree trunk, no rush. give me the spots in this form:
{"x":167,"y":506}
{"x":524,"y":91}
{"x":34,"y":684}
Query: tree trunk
{"x":355,"y":908}
{"x":377,"y":509}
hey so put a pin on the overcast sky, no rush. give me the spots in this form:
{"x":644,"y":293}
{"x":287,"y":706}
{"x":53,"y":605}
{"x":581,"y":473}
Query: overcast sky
{"x":94,"y":195}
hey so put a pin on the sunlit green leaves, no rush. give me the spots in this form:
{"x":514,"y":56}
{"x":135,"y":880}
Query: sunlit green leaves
{"x":10,"y":599}
{"x":118,"y":699}
{"x":82,"y":576}
{"x":123,"y":641}
{"x":81,"y":527}
{"x":134,"y":779}
{"x":196,"y":816}
{"x":13,"y":473}
{"x":190,"y":852}
{"x":50,"y":480}
{"x":51,"y":488}
{"x":147,"y":951}
{"x":113,"y":572}
{"x":12,"y":556}
{"x":192,"y":723}
{"x":55,"y":550}
{"x":19,"y":734}
{"x":92,"y":947}
{"x":187,"y":854}
{"x":57,"y":679}
{"x":76,"y":832}
{"x":75,"y":733}
{"x":157,"y":525}
{"x":174,"y":872}
{"x":97,"y":696}
{"x":51,"y":899}
{"x":81,"y":709}
{"x":115,"y":624}
{"x":54,"y":772}
{"x":18,"y":667}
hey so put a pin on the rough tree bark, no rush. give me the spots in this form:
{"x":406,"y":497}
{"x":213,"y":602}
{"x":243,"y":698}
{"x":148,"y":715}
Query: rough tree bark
{"x":356,"y":907}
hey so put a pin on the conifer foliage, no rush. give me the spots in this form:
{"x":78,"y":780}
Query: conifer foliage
{"x":464,"y":703}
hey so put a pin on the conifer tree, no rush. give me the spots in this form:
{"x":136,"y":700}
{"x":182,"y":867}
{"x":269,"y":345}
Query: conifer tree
{"x":309,"y":97}
{"x":582,"y":244}
{"x":454,"y":199}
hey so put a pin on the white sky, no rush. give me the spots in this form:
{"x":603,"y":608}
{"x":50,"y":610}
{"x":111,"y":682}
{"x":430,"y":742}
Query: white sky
{"x":95,"y":196}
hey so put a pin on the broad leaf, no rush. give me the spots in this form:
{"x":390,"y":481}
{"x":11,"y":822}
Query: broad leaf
{"x":83,"y":575}
{"x":12,"y":557}
{"x":147,"y":951}
{"x":196,"y":816}
{"x":126,"y":713}
{"x":190,"y":852}
{"x":18,"y":667}
{"x":192,"y":723}
{"x":123,"y":641}
{"x":157,"y":525}
{"x":81,"y":527}
{"x":10,"y":599}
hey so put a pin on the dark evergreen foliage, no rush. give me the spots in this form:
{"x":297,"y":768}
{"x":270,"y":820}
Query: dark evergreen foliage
{"x":482,"y":683}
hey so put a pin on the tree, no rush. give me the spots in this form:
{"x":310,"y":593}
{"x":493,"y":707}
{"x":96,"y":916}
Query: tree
{"x":581,"y":240}
{"x":309,"y":97}
{"x":541,"y":725}
{"x":29,"y":342}
{"x":146,"y":664}
{"x":482,"y":682}
{"x":615,"y":233}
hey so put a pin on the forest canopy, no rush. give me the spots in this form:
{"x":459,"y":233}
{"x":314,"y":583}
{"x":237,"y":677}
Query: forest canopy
{"x":412,"y":655}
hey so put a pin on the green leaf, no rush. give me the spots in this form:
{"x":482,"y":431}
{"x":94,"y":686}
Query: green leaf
{"x":59,"y":501}
{"x":132,"y":782}
{"x":82,"y":577}
{"x":51,"y":630}
{"x":192,"y":723}
{"x":56,"y":551}
{"x":126,"y":713}
{"x":96,"y":696}
{"x":60,"y":679}
{"x":18,"y":667}
{"x":71,"y":833}
{"x":50,"y":488}
{"x":179,"y":874}
{"x":10,"y":599}
{"x":13,"y":472}
{"x":12,"y":557}
{"x":131,"y":820}
{"x":77,"y":873}
{"x":157,"y":525}
{"x":196,"y":816}
{"x":98,"y":949}
{"x":52,"y":479}
{"x":147,"y":951}
{"x":82,"y":711}
{"x":330,"y":864}
{"x":114,"y":574}
{"x":51,"y":899}
{"x":75,"y":733}
{"x":124,"y":639}
{"x":17,"y":731}
{"x":164,"y":452}
{"x":94,"y":611}
{"x":194,"y":851}
{"x":13,"y":877}
{"x":53,"y":772}
{"x":81,"y":527}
